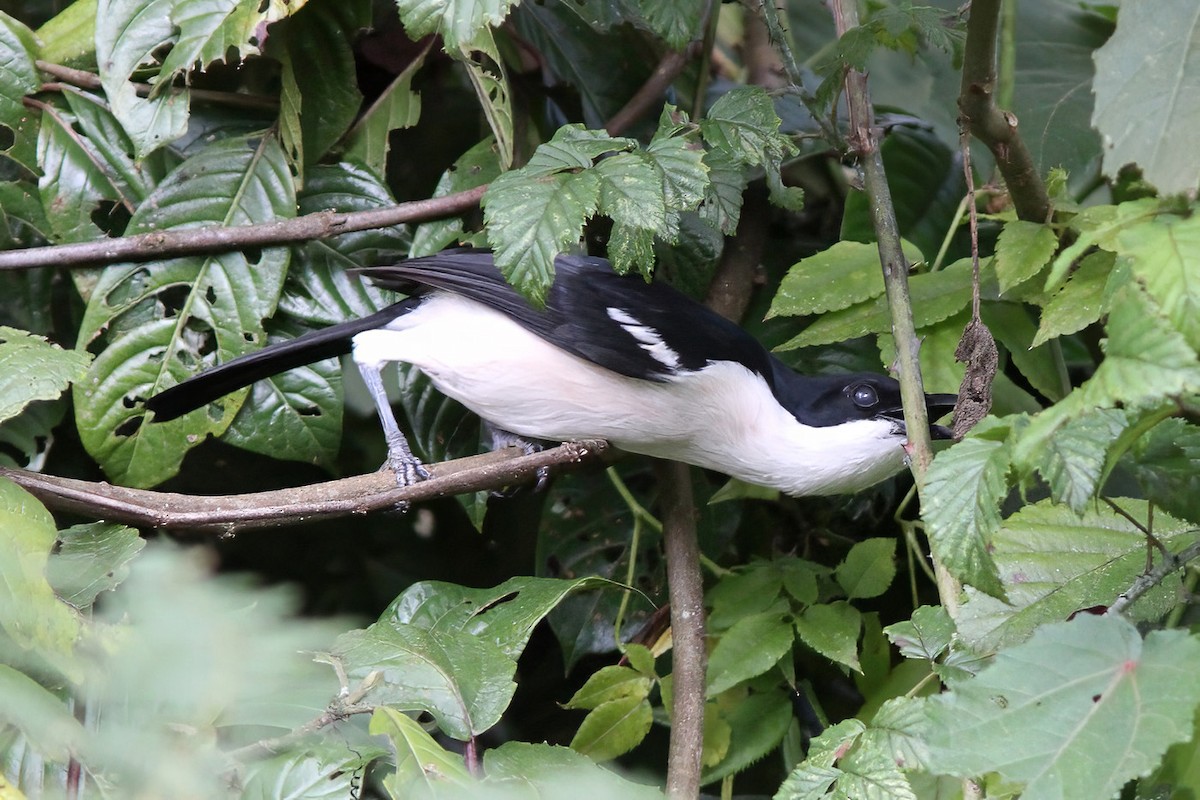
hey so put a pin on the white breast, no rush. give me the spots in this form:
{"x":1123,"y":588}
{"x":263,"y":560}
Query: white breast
{"x":722,"y":417}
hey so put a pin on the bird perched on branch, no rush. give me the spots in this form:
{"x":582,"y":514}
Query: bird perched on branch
{"x":608,"y":357}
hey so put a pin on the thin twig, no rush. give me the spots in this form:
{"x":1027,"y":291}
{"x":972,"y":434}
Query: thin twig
{"x":90,"y":80}
{"x":197,"y":241}
{"x":1152,"y":578}
{"x":650,"y":94}
{"x":338,"y":498}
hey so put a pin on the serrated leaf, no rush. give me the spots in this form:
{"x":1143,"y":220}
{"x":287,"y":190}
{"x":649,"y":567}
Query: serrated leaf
{"x":814,"y":777}
{"x":926,"y":635}
{"x":744,"y":592}
{"x":422,"y":765}
{"x":610,"y":683}
{"x":681,"y":159}
{"x":1022,"y":250}
{"x":900,"y":728}
{"x":1054,"y":562}
{"x":207,"y":31}
{"x":463,"y":681}
{"x":1073,"y":460}
{"x":504,"y":615}
{"x":460,"y":22}
{"x":531,"y":221}
{"x":743,"y":124}
{"x":1163,"y":254}
{"x":1099,"y":226}
{"x":157,"y":335}
{"x":674,"y":21}
{"x":1146,"y":82}
{"x":869,"y":568}
{"x":90,"y":559}
{"x":727,"y":181}
{"x":128,"y":33}
{"x":835,"y":278}
{"x":397,"y":107}
{"x":1013,"y":327}
{"x":757,"y":725}
{"x":935,"y":296}
{"x":961,"y":507}
{"x":832,"y":629}
{"x":1166,"y":463}
{"x":30,"y":612}
{"x":613,"y":728}
{"x":750,"y":647}
{"x":1100,"y":709}
{"x":1079,"y":302}
{"x":32,"y":368}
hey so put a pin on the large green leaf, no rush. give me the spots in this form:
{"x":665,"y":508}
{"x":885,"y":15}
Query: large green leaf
{"x":1147,"y":89}
{"x":464,"y":681}
{"x":30,"y":613}
{"x":328,"y":770}
{"x":32,"y":368}
{"x":164,"y":321}
{"x":1054,"y":563}
{"x":1100,"y":708}
{"x":750,"y":647}
{"x":1166,"y":462}
{"x":505,"y":615}
{"x":90,"y":559}
{"x":1164,"y":254}
{"x":207,"y":31}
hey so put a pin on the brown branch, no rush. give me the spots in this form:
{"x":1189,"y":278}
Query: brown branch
{"x":650,"y":94}
{"x":89,"y":80}
{"x":732,"y":285}
{"x":993,"y":126}
{"x":338,"y":498}
{"x":204,"y":241}
{"x":686,"y":587}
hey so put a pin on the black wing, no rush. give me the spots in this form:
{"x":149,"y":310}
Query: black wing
{"x":619,"y":322}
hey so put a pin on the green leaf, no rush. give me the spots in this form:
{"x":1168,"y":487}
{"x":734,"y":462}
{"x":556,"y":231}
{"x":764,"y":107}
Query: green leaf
{"x":90,"y":559}
{"x":320,"y":771}
{"x":128,"y":33}
{"x":680,"y":157}
{"x":743,"y":124}
{"x":460,"y":22}
{"x":1043,"y":367}
{"x":900,"y":728}
{"x":1073,"y":460}
{"x":1022,"y":250}
{"x":1146,"y":85}
{"x":613,"y":728}
{"x":832,"y":629}
{"x":397,"y":107}
{"x":757,"y":725}
{"x":45,"y":719}
{"x":1099,"y":226}
{"x":1080,"y":301}
{"x":505,"y":615}
{"x":926,"y":636}
{"x":961,"y":506}
{"x":750,"y":647}
{"x":838,"y":277}
{"x":841,"y":765}
{"x":1054,"y":562}
{"x":422,"y":766}
{"x":676,"y":22}
{"x":1163,"y":254}
{"x":744,"y":592}
{"x":70,"y":36}
{"x":1100,"y":709}
{"x":31,"y":368}
{"x":158,"y":321}
{"x":1166,"y":463}
{"x":609,"y":683}
{"x":477,"y":166}
{"x":935,"y":296}
{"x":18,"y":77}
{"x":727,"y":181}
{"x":632,"y":195}
{"x":320,"y":98}
{"x":206,"y":32}
{"x":465,"y":682}
{"x":546,"y":771}
{"x":869,"y":568}
{"x":30,"y":612}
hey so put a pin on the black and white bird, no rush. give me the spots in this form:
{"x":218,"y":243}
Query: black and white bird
{"x":608,"y":357}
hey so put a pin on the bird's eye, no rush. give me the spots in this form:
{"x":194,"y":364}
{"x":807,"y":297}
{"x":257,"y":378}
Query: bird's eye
{"x":864,"y":395}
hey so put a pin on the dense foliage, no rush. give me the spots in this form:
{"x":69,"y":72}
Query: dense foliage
{"x":515,"y":649}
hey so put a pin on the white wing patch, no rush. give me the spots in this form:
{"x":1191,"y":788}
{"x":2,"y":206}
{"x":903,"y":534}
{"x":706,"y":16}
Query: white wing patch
{"x":647,"y":338}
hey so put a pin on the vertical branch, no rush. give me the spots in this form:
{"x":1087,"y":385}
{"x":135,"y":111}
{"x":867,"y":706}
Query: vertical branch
{"x":686,"y":586}
{"x":863,"y":140}
{"x":988,"y":123}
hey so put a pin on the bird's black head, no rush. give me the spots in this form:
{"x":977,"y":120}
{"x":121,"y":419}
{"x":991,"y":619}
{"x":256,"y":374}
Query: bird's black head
{"x":826,"y":400}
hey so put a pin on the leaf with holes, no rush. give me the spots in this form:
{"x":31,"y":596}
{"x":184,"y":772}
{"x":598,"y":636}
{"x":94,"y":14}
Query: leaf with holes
{"x":158,"y":323}
{"x":90,"y":559}
{"x":207,"y":31}
{"x":32,"y":368}
{"x":458,"y":21}
{"x":18,"y":77}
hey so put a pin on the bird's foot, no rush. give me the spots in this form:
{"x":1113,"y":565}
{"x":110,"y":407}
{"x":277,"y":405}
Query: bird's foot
{"x":502,"y":438}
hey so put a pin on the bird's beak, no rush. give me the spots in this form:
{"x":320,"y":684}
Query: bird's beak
{"x":937,"y":406}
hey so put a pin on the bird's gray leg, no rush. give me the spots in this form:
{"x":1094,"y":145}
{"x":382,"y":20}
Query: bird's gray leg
{"x":400,"y":457}
{"x":502,"y":438}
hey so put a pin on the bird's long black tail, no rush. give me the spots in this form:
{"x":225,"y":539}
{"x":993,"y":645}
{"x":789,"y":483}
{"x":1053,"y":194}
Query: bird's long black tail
{"x":245,"y":370}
